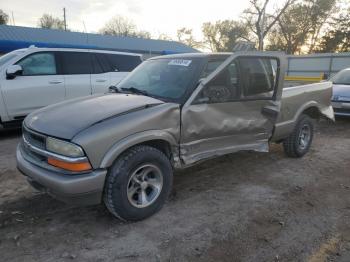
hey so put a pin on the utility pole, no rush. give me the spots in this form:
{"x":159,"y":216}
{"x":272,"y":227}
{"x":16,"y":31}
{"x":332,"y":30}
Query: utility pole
{"x":13,"y":18}
{"x":262,"y":29}
{"x":64,"y":19}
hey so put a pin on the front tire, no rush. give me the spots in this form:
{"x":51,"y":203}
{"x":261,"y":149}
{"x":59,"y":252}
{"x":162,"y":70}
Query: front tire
{"x":298,"y":143}
{"x":138,"y":183}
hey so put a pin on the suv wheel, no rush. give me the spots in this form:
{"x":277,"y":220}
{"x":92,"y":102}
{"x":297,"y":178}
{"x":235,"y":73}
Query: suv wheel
{"x":138,"y":183}
{"x":298,"y":143}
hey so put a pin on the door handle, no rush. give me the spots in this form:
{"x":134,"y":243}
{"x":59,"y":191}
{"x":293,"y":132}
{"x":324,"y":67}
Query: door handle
{"x":55,"y":82}
{"x":101,"y":80}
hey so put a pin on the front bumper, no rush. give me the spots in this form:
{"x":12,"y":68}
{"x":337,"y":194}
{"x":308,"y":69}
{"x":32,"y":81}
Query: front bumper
{"x":341,"y":108}
{"x":77,"y":189}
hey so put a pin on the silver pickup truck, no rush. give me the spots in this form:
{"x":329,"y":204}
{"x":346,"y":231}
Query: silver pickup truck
{"x":171,"y":112}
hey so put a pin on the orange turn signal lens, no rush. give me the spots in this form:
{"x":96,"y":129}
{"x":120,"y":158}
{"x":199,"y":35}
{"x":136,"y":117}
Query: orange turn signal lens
{"x":75,"y":167}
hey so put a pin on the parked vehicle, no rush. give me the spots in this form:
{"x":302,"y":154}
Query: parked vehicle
{"x":341,"y":93}
{"x":170,"y":112}
{"x":32,"y":78}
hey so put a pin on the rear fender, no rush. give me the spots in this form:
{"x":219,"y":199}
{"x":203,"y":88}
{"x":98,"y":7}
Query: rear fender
{"x":283,"y":129}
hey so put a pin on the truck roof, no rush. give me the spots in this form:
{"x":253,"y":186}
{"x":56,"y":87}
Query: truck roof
{"x":193,"y":55}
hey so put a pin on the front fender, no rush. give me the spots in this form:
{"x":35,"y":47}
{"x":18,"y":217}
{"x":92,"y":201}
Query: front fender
{"x":138,"y":138}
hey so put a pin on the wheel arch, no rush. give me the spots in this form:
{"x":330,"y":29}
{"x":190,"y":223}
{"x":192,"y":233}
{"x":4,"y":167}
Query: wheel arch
{"x":311,"y":109}
{"x":284,"y":129}
{"x":161,"y":140}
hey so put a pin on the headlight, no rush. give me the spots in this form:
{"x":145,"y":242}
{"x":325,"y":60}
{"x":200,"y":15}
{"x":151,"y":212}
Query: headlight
{"x":63,"y":148}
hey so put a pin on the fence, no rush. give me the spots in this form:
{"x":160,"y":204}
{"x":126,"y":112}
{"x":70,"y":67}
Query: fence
{"x":316,"y":65}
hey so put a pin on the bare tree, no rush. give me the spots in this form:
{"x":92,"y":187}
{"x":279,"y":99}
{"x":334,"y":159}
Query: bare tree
{"x":185,"y":36}
{"x":143,"y":34}
{"x":261,"y":22}
{"x":50,"y":22}
{"x":122,"y":26}
{"x":4,"y":18}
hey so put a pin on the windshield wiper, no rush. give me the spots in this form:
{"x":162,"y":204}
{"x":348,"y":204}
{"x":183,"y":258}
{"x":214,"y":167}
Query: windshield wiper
{"x":135,"y":90}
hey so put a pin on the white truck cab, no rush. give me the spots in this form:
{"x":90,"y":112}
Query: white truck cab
{"x":33,"y":77}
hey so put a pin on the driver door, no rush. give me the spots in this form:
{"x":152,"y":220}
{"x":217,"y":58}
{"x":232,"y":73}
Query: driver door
{"x":234,"y":109}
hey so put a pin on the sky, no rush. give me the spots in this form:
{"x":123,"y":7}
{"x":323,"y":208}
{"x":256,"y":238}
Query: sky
{"x":155,"y":16}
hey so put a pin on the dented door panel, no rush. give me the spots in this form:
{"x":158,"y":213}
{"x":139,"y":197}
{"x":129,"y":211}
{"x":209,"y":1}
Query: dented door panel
{"x":215,"y":129}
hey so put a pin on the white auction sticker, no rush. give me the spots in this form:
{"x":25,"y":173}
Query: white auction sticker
{"x":180,"y":62}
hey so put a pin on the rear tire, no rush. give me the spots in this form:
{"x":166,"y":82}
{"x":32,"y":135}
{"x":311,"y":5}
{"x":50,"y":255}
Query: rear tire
{"x":138,"y":183}
{"x":299,"y":141}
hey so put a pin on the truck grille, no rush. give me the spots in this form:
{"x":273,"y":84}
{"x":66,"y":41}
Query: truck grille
{"x":35,"y":139}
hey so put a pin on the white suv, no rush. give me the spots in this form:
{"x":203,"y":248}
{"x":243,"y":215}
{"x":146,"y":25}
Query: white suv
{"x":34,"y":77}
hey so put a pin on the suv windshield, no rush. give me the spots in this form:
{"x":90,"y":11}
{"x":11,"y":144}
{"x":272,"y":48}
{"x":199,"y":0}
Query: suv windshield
{"x":342,"y":78}
{"x":164,"y":78}
{"x":5,"y":58}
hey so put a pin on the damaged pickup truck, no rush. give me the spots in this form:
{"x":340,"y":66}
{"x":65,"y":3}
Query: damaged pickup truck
{"x":171,"y":112}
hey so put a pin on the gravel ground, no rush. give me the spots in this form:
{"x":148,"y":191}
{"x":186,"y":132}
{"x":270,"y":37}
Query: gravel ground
{"x":242,"y":207}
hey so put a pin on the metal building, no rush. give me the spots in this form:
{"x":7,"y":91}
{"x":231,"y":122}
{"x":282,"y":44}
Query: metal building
{"x":15,"y":37}
{"x":315,"y":65}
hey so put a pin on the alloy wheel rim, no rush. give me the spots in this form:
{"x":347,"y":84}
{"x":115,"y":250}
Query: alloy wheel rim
{"x":304,"y":137}
{"x":144,"y":185}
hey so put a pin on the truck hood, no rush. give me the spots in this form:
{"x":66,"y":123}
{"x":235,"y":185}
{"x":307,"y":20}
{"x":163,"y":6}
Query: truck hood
{"x":66,"y":119}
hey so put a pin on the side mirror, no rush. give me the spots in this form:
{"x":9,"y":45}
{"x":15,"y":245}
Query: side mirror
{"x":13,"y":71}
{"x":113,"y":89}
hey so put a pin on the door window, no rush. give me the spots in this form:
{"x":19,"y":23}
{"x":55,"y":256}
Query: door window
{"x":257,"y":76}
{"x":74,"y":63}
{"x":123,"y":63}
{"x":223,"y":88}
{"x":38,"y":64}
{"x":96,"y":65}
{"x":245,"y":78}
{"x":103,"y":62}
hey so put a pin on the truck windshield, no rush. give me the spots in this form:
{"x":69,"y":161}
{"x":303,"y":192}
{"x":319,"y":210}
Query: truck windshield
{"x":163,"y":78}
{"x":5,"y":58}
{"x":342,"y":78}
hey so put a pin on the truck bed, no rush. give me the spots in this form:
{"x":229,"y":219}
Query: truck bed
{"x":296,"y":99}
